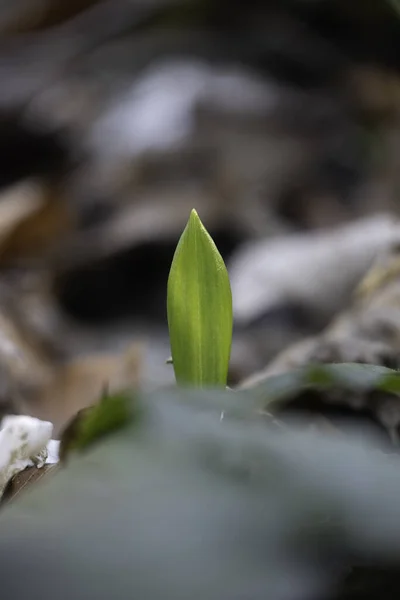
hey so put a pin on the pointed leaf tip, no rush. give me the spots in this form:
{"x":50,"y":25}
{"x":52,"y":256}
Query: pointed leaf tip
{"x":199,"y":306}
{"x":194,"y":220}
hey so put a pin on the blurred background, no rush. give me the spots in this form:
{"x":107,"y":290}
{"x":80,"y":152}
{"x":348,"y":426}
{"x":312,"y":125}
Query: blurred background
{"x":279,"y":121}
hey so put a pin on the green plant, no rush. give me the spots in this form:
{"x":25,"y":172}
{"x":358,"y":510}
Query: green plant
{"x":188,"y":494}
{"x":199,"y":308}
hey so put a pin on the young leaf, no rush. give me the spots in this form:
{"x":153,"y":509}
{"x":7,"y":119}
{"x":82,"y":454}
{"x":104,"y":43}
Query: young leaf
{"x":199,"y":306}
{"x":93,"y":423}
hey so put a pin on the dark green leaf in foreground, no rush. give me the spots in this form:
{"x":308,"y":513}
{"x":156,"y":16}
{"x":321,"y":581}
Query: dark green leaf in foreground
{"x":199,"y":306}
{"x":185,"y":505}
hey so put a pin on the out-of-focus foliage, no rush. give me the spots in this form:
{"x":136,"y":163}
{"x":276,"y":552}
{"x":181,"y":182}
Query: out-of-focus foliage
{"x":332,"y":395}
{"x":110,"y":413}
{"x":169,"y":507}
{"x":346,"y":377}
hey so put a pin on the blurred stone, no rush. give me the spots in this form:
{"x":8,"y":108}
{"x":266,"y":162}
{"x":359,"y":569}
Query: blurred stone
{"x":318,"y":271}
{"x":267,"y":118}
{"x":367,"y":332}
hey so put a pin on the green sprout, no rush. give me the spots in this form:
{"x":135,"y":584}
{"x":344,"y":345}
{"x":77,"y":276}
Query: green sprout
{"x":90,"y":424}
{"x":199,"y":308}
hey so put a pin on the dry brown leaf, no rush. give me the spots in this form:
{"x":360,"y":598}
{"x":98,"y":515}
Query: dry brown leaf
{"x":18,"y":203}
{"x":33,"y":16}
{"x":375,"y":91}
{"x":24,"y":366}
{"x":36,"y":379}
{"x":37,"y":220}
{"x":25,"y":479}
{"x":81,"y":382}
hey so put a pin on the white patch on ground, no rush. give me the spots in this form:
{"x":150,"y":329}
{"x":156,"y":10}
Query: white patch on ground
{"x":158,"y":113}
{"x":53,"y":448}
{"x":23,"y":443}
